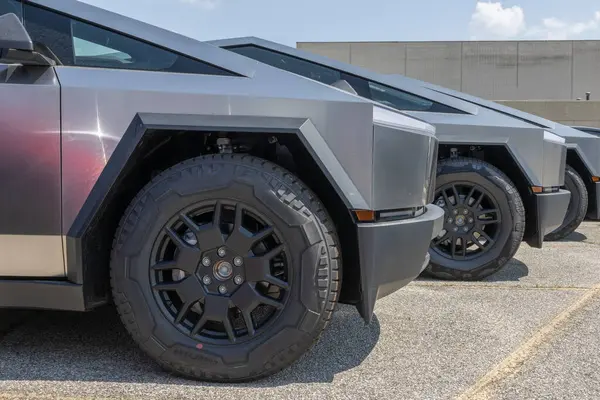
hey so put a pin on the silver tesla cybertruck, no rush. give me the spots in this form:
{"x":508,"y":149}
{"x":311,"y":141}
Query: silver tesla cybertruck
{"x":223,"y":205}
{"x":498,"y":179}
{"x":582,"y":173}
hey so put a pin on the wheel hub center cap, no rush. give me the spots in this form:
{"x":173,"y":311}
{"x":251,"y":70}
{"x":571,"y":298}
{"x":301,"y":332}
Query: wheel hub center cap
{"x":223,"y":270}
{"x":460,"y":220}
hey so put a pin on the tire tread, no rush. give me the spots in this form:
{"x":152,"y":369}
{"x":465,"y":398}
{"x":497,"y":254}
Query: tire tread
{"x":301,"y":199}
{"x":515,"y":239}
{"x":569,"y":227}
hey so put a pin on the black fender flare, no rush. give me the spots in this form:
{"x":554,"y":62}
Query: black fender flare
{"x":80,"y":244}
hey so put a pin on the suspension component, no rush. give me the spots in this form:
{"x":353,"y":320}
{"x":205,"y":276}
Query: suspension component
{"x":224,"y":146}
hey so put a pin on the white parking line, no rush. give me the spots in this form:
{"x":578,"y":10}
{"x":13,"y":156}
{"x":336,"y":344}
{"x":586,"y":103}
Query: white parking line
{"x":511,"y":365}
{"x":478,"y":285}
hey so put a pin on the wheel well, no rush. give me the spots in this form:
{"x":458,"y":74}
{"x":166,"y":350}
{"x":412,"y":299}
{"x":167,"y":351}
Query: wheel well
{"x":159,"y":150}
{"x":575,"y":162}
{"x":500,"y":157}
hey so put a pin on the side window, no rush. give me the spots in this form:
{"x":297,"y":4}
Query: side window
{"x":51,"y":34}
{"x":79,"y":44}
{"x":290,"y":64}
{"x":11,"y":6}
{"x":405,"y":101}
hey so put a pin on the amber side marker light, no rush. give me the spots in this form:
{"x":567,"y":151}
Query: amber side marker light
{"x":548,"y":189}
{"x":595,"y":178}
{"x":365,"y":215}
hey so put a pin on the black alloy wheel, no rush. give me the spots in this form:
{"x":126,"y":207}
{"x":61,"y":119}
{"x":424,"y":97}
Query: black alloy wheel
{"x":225,"y":268}
{"x":220,"y":271}
{"x":484,"y":221}
{"x":472,"y":219}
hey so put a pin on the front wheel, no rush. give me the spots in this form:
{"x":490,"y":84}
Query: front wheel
{"x":225,"y":268}
{"x":577,"y":208}
{"x":484,"y":220}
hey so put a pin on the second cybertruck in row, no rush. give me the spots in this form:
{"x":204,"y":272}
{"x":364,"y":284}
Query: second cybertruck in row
{"x":499,"y":178}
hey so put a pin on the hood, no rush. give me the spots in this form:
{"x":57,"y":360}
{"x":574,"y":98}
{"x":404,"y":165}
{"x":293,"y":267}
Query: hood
{"x":559,"y":129}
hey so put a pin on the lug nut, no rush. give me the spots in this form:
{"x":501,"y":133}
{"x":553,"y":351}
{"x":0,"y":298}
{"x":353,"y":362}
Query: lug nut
{"x":465,"y":212}
{"x":221,"y":252}
{"x":206,"y":262}
{"x":222,"y":289}
{"x":455,"y":229}
{"x":465,"y":229}
{"x":450,"y":220}
{"x":238,"y":261}
{"x":238,"y":280}
{"x":455,"y":212}
{"x":470,"y":219}
{"x":206,"y":280}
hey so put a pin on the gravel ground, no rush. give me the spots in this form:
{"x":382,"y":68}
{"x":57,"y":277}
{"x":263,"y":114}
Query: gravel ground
{"x":530,"y":331}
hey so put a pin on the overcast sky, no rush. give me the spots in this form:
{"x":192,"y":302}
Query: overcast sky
{"x":290,"y":21}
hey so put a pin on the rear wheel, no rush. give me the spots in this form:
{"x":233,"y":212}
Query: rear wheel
{"x":225,"y":268}
{"x":577,"y":206}
{"x":484,"y":220}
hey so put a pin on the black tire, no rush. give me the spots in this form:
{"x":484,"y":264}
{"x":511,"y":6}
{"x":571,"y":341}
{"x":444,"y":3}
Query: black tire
{"x":577,"y":206}
{"x":310,"y":250}
{"x":494,"y":190}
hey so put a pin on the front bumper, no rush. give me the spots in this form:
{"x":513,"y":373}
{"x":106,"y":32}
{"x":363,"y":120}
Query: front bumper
{"x":550,"y":212}
{"x":392,"y":254}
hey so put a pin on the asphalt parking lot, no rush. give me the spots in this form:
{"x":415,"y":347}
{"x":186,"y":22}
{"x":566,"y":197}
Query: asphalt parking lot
{"x":531,"y":331}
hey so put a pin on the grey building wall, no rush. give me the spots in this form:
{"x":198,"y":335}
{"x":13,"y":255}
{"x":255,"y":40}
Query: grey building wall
{"x":514,"y":70}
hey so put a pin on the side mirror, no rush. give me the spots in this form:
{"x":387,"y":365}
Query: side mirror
{"x":16,"y":46}
{"x":13,"y":34}
{"x":345,"y":86}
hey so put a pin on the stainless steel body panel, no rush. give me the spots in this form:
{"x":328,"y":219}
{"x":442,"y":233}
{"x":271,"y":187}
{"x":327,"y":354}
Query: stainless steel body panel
{"x":32,"y":256}
{"x":391,"y":160}
{"x":586,"y":145}
{"x":473,"y":125}
{"x":30,"y":223}
{"x":98,"y":105}
{"x":541,"y":160}
{"x":102,"y":100}
{"x":98,"y":119}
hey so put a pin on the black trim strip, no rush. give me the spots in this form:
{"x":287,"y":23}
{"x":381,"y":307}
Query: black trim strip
{"x":46,"y":295}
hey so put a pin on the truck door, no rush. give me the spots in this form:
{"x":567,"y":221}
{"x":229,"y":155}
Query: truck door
{"x":30,"y":173}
